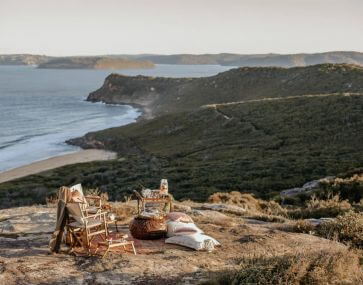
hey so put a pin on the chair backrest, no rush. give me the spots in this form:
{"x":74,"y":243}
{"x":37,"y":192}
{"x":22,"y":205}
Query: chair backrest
{"x":79,"y":189}
{"x":65,"y":194}
{"x":75,"y":211}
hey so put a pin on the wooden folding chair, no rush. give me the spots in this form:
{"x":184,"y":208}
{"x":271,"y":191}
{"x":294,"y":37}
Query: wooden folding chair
{"x":91,"y":203}
{"x":82,"y":227}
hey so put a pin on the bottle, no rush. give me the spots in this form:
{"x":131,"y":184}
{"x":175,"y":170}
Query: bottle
{"x":164,"y":187}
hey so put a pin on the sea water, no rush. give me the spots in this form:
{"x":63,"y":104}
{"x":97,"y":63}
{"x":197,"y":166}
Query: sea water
{"x":41,"y":108}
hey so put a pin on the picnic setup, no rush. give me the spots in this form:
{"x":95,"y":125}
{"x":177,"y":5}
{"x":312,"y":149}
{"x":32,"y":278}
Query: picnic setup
{"x":86,"y":226}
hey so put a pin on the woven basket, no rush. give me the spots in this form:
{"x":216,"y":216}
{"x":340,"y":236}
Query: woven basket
{"x":148,"y":228}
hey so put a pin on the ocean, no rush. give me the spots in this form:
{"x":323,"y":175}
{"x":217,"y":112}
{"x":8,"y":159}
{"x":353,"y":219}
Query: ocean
{"x":41,"y":108}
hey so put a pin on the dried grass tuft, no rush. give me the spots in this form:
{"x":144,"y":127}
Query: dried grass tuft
{"x":318,"y":208}
{"x":303,"y":226}
{"x":251,"y":204}
{"x":324,"y":267}
{"x":123,"y":211}
{"x":347,"y":228}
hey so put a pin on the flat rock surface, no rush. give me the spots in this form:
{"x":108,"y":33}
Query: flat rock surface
{"x":233,"y":209}
{"x":27,"y":220}
{"x":25,"y":259}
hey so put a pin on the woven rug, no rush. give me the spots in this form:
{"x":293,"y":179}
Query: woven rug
{"x":141,"y":246}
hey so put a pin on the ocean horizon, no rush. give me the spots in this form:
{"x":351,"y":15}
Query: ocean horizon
{"x":42,"y":108}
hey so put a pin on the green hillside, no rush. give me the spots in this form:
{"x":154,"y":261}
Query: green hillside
{"x":159,"y":96}
{"x":259,"y":146}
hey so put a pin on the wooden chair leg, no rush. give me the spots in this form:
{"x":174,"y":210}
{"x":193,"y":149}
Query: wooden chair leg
{"x":133,"y":247}
{"x":108,"y":248}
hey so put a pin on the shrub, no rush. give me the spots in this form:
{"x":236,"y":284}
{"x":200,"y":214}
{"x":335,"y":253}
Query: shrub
{"x":268,"y":218}
{"x":303,"y":226}
{"x":350,"y":187}
{"x":236,"y":198}
{"x":347,"y":228}
{"x":51,"y":200}
{"x":272,"y":208}
{"x":318,"y":208}
{"x":340,"y":267}
{"x":123,"y":211}
{"x":248,"y":202}
{"x":97,"y":192}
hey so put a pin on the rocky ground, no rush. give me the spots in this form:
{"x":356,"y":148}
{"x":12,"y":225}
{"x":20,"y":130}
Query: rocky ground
{"x":25,"y":258}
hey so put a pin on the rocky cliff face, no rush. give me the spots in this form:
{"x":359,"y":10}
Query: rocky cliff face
{"x":23,"y":59}
{"x":145,"y":92}
{"x":159,"y":96}
{"x":75,"y":62}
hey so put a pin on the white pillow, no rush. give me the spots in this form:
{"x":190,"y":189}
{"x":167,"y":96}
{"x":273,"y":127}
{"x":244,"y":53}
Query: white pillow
{"x":180,"y":228}
{"x":196,"y":241}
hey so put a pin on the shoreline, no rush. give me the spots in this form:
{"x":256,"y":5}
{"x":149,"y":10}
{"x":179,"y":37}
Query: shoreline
{"x":81,"y":156}
{"x":145,"y":111}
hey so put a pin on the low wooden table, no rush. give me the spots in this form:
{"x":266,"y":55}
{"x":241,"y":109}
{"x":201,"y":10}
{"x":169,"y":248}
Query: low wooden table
{"x":141,"y":201}
{"x":109,"y":243}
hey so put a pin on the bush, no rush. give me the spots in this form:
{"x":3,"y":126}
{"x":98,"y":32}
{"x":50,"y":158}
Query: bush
{"x":350,"y":187}
{"x":268,"y":218}
{"x":303,"y":226}
{"x":248,"y":202}
{"x":123,"y":211}
{"x":347,"y":228}
{"x":340,"y":267}
{"x":318,"y":208}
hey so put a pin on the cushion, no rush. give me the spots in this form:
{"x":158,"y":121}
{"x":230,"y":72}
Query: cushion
{"x":76,"y":197}
{"x":179,"y":228}
{"x":179,"y":217}
{"x":196,"y":241}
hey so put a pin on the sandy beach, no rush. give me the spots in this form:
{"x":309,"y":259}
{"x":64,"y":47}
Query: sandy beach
{"x":57,"y":161}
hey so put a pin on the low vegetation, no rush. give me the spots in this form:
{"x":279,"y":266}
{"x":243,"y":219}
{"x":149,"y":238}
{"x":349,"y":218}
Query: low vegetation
{"x":303,"y":226}
{"x":309,"y":268}
{"x":347,"y":228}
{"x":317,"y":208}
{"x":348,"y":185}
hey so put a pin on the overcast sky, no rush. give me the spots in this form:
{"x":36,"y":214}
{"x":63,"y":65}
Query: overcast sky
{"x":86,"y":27}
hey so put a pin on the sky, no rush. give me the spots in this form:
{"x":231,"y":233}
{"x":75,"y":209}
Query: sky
{"x":91,"y":27}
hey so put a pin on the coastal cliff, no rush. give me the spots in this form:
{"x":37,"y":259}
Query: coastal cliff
{"x":95,"y":63}
{"x":158,"y":96}
{"x":226,"y":59}
{"x":258,"y":60}
{"x":23,"y":59}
